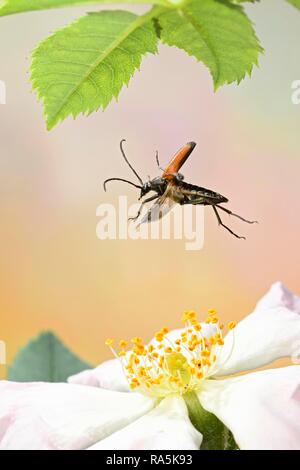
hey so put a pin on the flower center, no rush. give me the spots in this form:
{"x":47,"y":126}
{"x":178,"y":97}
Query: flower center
{"x":174,"y":363}
{"x":178,"y":366}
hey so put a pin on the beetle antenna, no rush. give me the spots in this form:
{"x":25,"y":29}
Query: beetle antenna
{"x":120,"y":179}
{"x":126,"y":160}
{"x":157,"y":161}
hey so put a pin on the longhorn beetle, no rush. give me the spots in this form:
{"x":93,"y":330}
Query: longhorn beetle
{"x":170,"y":188}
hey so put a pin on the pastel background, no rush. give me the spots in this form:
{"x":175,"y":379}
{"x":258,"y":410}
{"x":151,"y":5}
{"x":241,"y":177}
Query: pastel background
{"x":55,"y":274}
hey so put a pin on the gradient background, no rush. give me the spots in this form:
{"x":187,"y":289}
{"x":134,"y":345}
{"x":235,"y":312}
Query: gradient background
{"x":54,"y":272}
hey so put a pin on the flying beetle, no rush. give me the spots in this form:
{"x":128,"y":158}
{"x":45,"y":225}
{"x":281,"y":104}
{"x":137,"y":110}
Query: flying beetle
{"x":170,"y":188}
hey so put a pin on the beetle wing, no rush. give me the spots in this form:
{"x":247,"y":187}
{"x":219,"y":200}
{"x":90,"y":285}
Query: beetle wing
{"x":160,"y":208}
{"x":157,"y":211}
{"x":178,"y":160}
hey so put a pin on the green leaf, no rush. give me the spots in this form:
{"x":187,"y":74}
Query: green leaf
{"x":295,"y":3}
{"x":8,"y":7}
{"x":216,"y":436}
{"x":217,"y":33}
{"x":45,"y":359}
{"x":83,"y":66}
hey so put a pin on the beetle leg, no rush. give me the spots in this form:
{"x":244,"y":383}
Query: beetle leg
{"x":225,"y":226}
{"x":149,"y":199}
{"x":137,"y":215}
{"x":236,"y":215}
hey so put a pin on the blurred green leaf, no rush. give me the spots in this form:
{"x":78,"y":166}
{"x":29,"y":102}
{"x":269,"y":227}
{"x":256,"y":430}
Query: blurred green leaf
{"x":295,"y":3}
{"x":217,"y":33}
{"x":46,"y":359}
{"x":81,"y":67}
{"x":9,"y":7}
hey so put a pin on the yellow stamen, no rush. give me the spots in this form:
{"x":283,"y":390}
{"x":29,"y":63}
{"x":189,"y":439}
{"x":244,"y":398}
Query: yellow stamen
{"x":109,"y":341}
{"x":138,"y":349}
{"x":159,"y":336}
{"x":211,"y":312}
{"x":173,"y":366}
{"x":214,"y":319}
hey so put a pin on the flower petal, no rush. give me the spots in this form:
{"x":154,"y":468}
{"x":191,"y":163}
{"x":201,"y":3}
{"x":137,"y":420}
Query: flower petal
{"x":272,"y":331}
{"x":63,"y":416}
{"x":108,"y":375}
{"x":167,"y":427}
{"x":279,"y":296}
{"x":262,"y":409}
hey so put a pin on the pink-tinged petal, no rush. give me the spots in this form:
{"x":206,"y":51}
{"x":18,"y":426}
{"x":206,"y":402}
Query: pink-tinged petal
{"x":63,"y":416}
{"x":108,"y":375}
{"x":279,"y":296}
{"x":167,"y":427}
{"x":262,"y":409}
{"x":271,"y":332}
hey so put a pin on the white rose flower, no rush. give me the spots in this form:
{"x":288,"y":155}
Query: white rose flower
{"x":148,"y":397}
